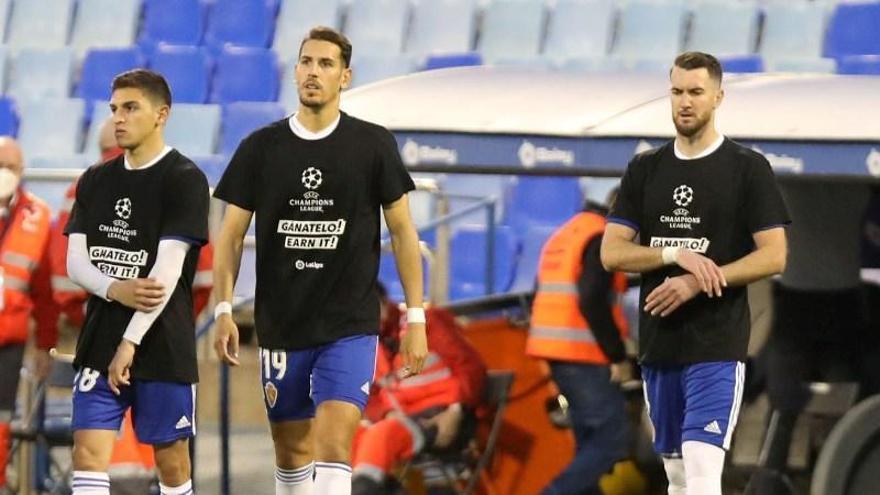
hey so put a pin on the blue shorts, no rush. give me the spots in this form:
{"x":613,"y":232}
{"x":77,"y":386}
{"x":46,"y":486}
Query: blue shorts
{"x":698,"y":402}
{"x":162,"y":412}
{"x":296,"y":382}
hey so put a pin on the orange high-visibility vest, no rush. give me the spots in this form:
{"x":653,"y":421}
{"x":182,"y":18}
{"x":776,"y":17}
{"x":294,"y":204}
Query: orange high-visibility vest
{"x":558,"y":329}
{"x":25,"y":239}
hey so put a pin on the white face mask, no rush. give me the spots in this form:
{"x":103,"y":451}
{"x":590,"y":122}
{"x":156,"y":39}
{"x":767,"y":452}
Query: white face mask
{"x":8,"y":183}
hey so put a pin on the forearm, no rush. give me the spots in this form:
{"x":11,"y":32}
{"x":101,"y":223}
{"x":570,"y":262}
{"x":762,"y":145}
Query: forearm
{"x":626,"y":256}
{"x":166,"y":270}
{"x":758,"y":264}
{"x":405,"y":243}
{"x":227,"y":260}
{"x":81,"y":270}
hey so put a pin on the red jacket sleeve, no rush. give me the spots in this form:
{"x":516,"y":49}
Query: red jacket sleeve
{"x":46,"y":310}
{"x":445,"y":338}
{"x":70,"y":298}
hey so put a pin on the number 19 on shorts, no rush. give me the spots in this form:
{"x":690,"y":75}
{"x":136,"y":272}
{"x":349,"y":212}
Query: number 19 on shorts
{"x":273,"y":361}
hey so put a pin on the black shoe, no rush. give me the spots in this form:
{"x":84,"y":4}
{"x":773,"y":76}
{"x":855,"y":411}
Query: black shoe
{"x":362,"y":485}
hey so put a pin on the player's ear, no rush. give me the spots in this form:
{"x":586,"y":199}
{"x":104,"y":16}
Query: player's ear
{"x":719,"y":97}
{"x":164,"y":112}
{"x":346,"y":78}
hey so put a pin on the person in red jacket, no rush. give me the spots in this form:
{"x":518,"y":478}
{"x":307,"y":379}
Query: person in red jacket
{"x":431,"y":410}
{"x":25,"y":290}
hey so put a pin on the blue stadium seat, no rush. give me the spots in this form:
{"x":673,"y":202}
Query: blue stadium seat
{"x":742,"y":64}
{"x":187,"y":70}
{"x":288,"y":96}
{"x":240,"y":23}
{"x":367,"y":68}
{"x":853,"y":30}
{"x":51,"y":127}
{"x":480,"y":186}
{"x":859,"y":64}
{"x":245,"y":74}
{"x":377,"y":27}
{"x":5,"y":10}
{"x":579,"y":29}
{"x":185,"y":27}
{"x":212,"y":165}
{"x":445,"y":26}
{"x":650,"y":30}
{"x":445,"y":61}
{"x":793,"y":30}
{"x":101,"y":66}
{"x":530,"y":202}
{"x":8,"y":117}
{"x":296,"y":17}
{"x":42,"y":74}
{"x":77,"y":162}
{"x":391,"y":279}
{"x":242,"y":118}
{"x":193,"y":129}
{"x":527,"y":268}
{"x":39,"y":24}
{"x":104,"y":24}
{"x":467,"y":261}
{"x":512,"y":30}
{"x":724,"y":28}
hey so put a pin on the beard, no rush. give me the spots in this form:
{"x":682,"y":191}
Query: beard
{"x":689,"y":130}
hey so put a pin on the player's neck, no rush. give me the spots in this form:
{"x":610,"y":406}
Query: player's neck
{"x":696,"y":143}
{"x":317,"y":119}
{"x":145,"y":152}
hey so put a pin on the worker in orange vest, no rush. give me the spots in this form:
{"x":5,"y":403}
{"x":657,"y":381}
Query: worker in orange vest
{"x":577,"y":325}
{"x":433,"y":410}
{"x":25,"y":290}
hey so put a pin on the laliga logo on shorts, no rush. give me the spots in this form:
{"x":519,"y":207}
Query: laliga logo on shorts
{"x":683,"y":195}
{"x":312,"y":178}
{"x":271,"y":393}
{"x":123,"y":208}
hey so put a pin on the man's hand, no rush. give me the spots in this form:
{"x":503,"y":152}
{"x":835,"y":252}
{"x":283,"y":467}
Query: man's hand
{"x":671,"y":294}
{"x":142,"y":294}
{"x":709,"y":277}
{"x":414,"y":349}
{"x":226,"y":340}
{"x":621,"y":372}
{"x":119,"y":372}
{"x":42,"y":364}
{"x":447,"y":423}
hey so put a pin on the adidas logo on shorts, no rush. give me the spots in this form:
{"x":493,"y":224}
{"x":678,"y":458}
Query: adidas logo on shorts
{"x":182,"y":423}
{"x":713,"y":428}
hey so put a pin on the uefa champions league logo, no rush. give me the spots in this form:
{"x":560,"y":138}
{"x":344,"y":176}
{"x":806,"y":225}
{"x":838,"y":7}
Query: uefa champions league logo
{"x":683,"y":195}
{"x":123,"y":208}
{"x":312,"y":178}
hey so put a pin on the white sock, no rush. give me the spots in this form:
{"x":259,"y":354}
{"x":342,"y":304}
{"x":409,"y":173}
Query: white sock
{"x":675,"y":475}
{"x":332,"y":478}
{"x":294,"y":481}
{"x":184,"y":489}
{"x":703,"y":465}
{"x":91,"y":483}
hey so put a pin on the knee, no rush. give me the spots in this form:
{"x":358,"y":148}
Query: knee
{"x":675,"y":475}
{"x":291,"y":453}
{"x":88,"y":458}
{"x":173,"y":464}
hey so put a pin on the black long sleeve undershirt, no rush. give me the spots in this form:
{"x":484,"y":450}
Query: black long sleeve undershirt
{"x":595,"y":300}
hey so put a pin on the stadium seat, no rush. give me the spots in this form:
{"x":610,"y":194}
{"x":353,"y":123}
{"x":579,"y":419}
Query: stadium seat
{"x":193,"y":129}
{"x":377,"y":27}
{"x":104,"y":24}
{"x":530,"y":204}
{"x":814,"y":65}
{"x":742,"y":64}
{"x":367,"y":69}
{"x":512,"y":30}
{"x":441,"y":26}
{"x":467,"y":261}
{"x":101,"y":66}
{"x":477,"y":187}
{"x":527,"y":268}
{"x":793,"y":30}
{"x":579,"y":29}
{"x":240,"y":23}
{"x":859,"y":64}
{"x":42,"y":74}
{"x":447,"y":60}
{"x":242,"y":118}
{"x":5,"y":11}
{"x":5,"y":65}
{"x":853,"y":30}
{"x":187,"y":70}
{"x":39,"y":24}
{"x":52,"y":192}
{"x":650,"y":30}
{"x":288,"y":96}
{"x":8,"y":117}
{"x":212,"y":165}
{"x":296,"y":17}
{"x":185,"y":27}
{"x":724,"y":28}
{"x":51,"y":127}
{"x":78,"y":162}
{"x":245,"y":74}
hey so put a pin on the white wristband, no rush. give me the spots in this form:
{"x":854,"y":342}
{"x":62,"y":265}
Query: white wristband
{"x":222,"y":308}
{"x":415,"y":315}
{"x":670,"y":255}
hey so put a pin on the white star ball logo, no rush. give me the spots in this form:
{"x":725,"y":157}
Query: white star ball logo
{"x":683,"y":195}
{"x":312,"y":178}
{"x":123,"y":208}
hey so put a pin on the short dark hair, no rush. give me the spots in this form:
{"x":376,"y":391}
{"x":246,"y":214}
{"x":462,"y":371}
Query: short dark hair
{"x":700,"y":60}
{"x":151,"y":83}
{"x":324,"y":33}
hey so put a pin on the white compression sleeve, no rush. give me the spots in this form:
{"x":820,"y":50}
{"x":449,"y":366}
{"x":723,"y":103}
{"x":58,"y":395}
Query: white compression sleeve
{"x":81,"y":270}
{"x":703,"y":465}
{"x":167,"y":269}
